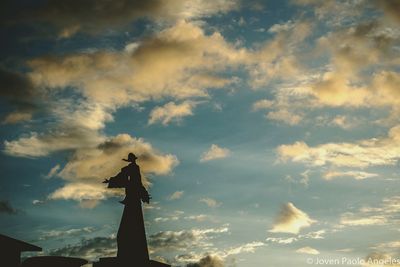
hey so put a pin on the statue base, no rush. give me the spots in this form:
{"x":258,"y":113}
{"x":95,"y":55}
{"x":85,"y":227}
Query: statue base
{"x":114,"y":262}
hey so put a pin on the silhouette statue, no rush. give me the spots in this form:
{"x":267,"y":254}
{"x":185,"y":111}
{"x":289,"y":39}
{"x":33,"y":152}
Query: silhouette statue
{"x":131,"y":237}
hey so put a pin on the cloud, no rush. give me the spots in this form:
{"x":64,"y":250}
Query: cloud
{"x":221,"y":254}
{"x":382,"y":214}
{"x":285,"y":116}
{"x":358,"y":69}
{"x":16,"y":88}
{"x":17,"y":117}
{"x":248,"y":248}
{"x":19,"y":92}
{"x":215,"y":152}
{"x":363,"y":153}
{"x":77,"y":126}
{"x":166,"y":219}
{"x":199,"y":218}
{"x":82,"y":192}
{"x":53,"y":171}
{"x":343,"y":122}
{"x":288,"y":240}
{"x":180,"y":61}
{"x":212,"y":203}
{"x":276,"y":59}
{"x":91,"y":249}
{"x":281,"y":240}
{"x":388,"y":245}
{"x":291,"y":220}
{"x":358,"y":175}
{"x":181,"y":240}
{"x":353,"y":51}
{"x":176,"y":195}
{"x":380,"y":259}
{"x":208,"y":261}
{"x":61,"y":234}
{"x":37,"y":202}
{"x":262,"y":104}
{"x":171,"y":112}
{"x":5,"y":207}
{"x":70,"y":17}
{"x":308,"y":250}
{"x":284,"y":27}
{"x":390,"y":7}
{"x":349,"y":219}
{"x":334,"y":89}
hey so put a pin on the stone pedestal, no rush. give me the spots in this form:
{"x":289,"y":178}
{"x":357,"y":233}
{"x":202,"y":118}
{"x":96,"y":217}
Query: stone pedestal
{"x":113,"y":262}
{"x":131,"y":237}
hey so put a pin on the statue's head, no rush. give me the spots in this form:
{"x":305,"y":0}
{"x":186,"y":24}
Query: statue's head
{"x":131,"y":158}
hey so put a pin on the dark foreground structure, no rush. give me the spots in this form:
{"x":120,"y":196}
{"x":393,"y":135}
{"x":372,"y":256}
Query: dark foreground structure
{"x":51,"y":261}
{"x":10,"y":252}
{"x":10,"y":255}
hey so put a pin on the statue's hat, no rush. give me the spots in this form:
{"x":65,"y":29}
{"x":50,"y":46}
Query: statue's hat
{"x":131,"y":158}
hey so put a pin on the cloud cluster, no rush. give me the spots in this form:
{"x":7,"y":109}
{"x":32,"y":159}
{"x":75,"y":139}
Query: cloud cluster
{"x":221,"y":254}
{"x":291,"y":220}
{"x":91,"y":249}
{"x":354,"y":50}
{"x":383,"y":214}
{"x":364,"y":153}
{"x":208,"y":261}
{"x":288,"y":240}
{"x":181,"y":240}
{"x":61,"y":234}
{"x":179,"y":61}
{"x":358,"y":55}
{"x":277,"y":58}
{"x":70,"y":17}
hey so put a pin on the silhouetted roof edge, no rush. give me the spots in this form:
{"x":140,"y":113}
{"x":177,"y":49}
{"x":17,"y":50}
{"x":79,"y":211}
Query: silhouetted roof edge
{"x":20,"y":245}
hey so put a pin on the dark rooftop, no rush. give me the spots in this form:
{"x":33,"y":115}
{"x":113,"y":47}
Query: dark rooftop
{"x":6,"y":241}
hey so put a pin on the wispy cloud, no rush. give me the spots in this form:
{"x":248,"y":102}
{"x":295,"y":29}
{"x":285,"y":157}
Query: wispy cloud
{"x":307,"y":250}
{"x":181,"y":240}
{"x":53,"y":171}
{"x":176,"y":195}
{"x":358,"y":175}
{"x":215,"y":152}
{"x":89,"y":248}
{"x":382,"y":214}
{"x":171,"y":112}
{"x":65,"y":233}
{"x":212,"y":203}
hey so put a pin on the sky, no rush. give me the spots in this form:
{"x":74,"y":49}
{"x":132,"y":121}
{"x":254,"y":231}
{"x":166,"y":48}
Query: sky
{"x":267,"y":132}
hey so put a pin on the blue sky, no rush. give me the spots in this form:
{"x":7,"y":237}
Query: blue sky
{"x":267,"y":131}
